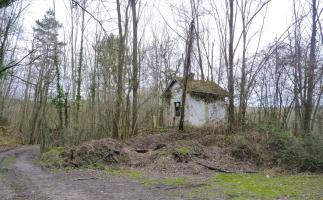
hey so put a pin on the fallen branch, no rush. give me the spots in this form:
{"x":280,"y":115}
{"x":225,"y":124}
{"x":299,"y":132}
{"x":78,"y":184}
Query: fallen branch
{"x":141,"y":150}
{"x":85,"y":179}
{"x":213,"y":168}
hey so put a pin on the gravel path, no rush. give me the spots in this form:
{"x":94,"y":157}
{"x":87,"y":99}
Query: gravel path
{"x":22,"y":179}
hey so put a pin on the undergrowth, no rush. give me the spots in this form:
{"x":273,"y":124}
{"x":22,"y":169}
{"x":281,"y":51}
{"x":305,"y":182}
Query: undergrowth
{"x":7,"y":137}
{"x":52,"y":158}
{"x":269,"y":146}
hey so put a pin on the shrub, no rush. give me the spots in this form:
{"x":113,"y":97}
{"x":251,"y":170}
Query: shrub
{"x":299,"y":154}
{"x":271,"y":146}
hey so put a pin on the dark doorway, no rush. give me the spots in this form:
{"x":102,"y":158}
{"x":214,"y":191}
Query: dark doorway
{"x":177,"y":109}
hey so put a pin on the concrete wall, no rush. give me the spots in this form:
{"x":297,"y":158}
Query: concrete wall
{"x":197,"y":111}
{"x":201,"y":112}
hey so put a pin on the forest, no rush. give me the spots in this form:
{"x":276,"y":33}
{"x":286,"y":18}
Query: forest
{"x":89,"y":88}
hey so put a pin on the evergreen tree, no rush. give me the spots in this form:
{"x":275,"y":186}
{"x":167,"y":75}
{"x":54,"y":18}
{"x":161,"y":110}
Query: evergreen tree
{"x":47,"y":46}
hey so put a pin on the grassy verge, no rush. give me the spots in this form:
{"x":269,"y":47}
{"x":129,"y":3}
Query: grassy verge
{"x":116,"y":171}
{"x":52,"y":158}
{"x":260,"y":186}
{"x":7,"y":142}
{"x":8,"y":161}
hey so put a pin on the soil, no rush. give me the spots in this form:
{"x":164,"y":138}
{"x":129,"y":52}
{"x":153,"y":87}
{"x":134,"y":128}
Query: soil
{"x":171,"y":153}
{"x":158,"y":156}
{"x":23,"y":179}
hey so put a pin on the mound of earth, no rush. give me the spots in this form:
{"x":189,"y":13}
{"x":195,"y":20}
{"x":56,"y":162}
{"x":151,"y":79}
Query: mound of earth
{"x":107,"y":151}
{"x":172,"y":153}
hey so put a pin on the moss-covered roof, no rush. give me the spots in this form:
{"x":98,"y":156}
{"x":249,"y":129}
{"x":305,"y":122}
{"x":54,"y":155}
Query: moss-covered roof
{"x":201,"y":87}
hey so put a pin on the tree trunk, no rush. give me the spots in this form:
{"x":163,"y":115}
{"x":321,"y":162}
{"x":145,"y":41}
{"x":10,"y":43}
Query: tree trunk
{"x":79,"y":70}
{"x":310,"y":73}
{"x":187,"y":64}
{"x":242,"y":105}
{"x":230,"y":67}
{"x":198,"y":46}
{"x":118,"y":101}
{"x":135,"y":80}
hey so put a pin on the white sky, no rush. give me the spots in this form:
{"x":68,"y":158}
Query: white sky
{"x":278,"y":17}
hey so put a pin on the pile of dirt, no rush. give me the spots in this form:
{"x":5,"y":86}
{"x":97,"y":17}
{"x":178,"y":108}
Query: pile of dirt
{"x":107,"y":151}
{"x":186,"y":153}
{"x":171,"y":153}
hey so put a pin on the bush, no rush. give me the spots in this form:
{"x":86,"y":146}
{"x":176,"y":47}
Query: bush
{"x":298,"y":154}
{"x":267,"y":145}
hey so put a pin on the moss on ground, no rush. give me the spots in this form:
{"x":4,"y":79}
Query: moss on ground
{"x":134,"y":174}
{"x":237,"y":186}
{"x":8,"y":161}
{"x":183,"y":151}
{"x":52,"y":158}
{"x":149,"y":182}
{"x":175,"y":181}
{"x":260,"y":186}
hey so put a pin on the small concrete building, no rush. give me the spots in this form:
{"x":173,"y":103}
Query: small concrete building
{"x":205,"y":102}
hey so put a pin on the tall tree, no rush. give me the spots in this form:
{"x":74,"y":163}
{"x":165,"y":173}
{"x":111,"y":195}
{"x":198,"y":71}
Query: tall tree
{"x":187,"y":66}
{"x":310,"y":76}
{"x":248,"y":15}
{"x":196,"y":13}
{"x":46,"y":43}
{"x":120,"y":66}
{"x":80,"y":64}
{"x":135,"y":70}
{"x":230,"y":63}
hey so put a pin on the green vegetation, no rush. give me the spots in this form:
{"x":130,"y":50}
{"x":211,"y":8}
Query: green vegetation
{"x":260,"y":186}
{"x":175,"y":181}
{"x":183,"y":151}
{"x":134,"y":174}
{"x":270,"y":146}
{"x":182,"y":154}
{"x":6,"y":142}
{"x":8,"y":161}
{"x":52,"y":158}
{"x":301,"y":154}
{"x":8,"y":138}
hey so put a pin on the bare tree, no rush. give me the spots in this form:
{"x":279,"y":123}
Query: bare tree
{"x":186,"y":73}
{"x":135,"y":81}
{"x":310,"y":83}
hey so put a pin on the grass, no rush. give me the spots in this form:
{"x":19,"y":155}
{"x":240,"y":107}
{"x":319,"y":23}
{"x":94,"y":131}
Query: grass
{"x":260,"y":186}
{"x":52,"y":158}
{"x":175,"y":181}
{"x":115,"y":171}
{"x":238,"y":186}
{"x":6,"y":142}
{"x":183,"y":151}
{"x":8,"y":161}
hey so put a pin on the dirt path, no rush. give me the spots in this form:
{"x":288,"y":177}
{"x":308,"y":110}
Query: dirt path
{"x":21,"y":179}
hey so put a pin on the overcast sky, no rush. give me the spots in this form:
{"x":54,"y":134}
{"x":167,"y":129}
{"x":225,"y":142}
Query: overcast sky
{"x":279,"y":14}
